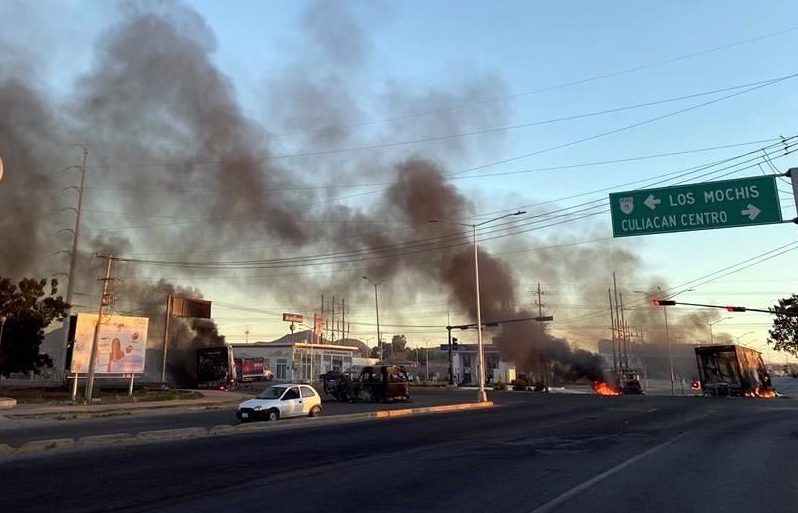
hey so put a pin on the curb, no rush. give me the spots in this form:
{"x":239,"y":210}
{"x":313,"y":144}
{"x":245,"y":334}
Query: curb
{"x":163,"y":435}
{"x":103,"y":440}
{"x":47,"y":445}
{"x":7,"y":402}
{"x":172,"y":434}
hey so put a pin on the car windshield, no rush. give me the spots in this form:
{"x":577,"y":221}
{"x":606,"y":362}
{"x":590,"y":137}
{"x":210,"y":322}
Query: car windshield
{"x":272,"y":393}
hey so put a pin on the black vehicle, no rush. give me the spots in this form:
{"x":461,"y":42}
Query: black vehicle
{"x":376,"y":383}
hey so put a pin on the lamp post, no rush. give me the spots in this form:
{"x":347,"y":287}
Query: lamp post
{"x":741,"y":336}
{"x":73,"y":262}
{"x":482,"y":396}
{"x":710,"y":324}
{"x":377,"y":308}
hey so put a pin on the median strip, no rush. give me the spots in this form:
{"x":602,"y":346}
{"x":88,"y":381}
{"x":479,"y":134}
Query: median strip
{"x":119,"y":439}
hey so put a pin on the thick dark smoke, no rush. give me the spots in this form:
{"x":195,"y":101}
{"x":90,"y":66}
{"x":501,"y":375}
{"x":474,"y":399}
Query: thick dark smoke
{"x":160,"y":118}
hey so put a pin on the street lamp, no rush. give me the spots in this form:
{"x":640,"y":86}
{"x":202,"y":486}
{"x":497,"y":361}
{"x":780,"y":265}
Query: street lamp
{"x":741,"y":336}
{"x":377,"y":308}
{"x":482,"y":397}
{"x":710,"y":324}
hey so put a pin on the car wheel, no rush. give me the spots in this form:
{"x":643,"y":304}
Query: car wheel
{"x":315,"y":411}
{"x":272,"y":415}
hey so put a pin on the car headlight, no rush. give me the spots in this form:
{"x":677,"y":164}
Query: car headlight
{"x":258,"y":408}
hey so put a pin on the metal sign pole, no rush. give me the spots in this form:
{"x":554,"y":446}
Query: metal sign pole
{"x":74,"y":387}
{"x":130,"y":388}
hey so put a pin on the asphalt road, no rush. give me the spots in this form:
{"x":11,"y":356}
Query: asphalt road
{"x":15,"y":432}
{"x":580,"y":453}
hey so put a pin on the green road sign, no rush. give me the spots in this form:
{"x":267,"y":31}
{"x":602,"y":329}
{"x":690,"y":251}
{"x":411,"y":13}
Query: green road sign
{"x":701,"y":206}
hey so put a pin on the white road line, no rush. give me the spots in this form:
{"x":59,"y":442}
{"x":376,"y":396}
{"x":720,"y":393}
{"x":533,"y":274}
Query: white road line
{"x":559,"y":500}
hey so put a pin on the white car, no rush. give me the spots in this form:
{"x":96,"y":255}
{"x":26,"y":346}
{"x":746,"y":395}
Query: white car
{"x":286,"y":400}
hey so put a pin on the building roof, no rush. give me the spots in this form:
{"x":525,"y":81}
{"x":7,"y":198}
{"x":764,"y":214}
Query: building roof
{"x":296,"y":344}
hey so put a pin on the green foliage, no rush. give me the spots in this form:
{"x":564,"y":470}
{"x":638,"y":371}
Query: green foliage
{"x":784,"y":333}
{"x":28,"y":309}
{"x":398,"y":343}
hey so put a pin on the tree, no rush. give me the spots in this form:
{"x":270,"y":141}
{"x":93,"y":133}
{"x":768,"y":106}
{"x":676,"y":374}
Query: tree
{"x":784,"y":333}
{"x":28,"y":309}
{"x":398,"y":343}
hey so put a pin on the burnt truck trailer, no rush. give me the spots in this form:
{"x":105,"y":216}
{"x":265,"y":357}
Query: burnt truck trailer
{"x":733,"y":370}
{"x":217,"y":367}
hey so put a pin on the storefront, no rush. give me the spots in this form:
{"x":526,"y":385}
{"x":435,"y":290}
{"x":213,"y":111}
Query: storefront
{"x":465,"y":365}
{"x":298,"y":361}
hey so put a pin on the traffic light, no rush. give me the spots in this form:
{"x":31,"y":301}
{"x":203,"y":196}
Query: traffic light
{"x":664,"y":302}
{"x":735,"y":309}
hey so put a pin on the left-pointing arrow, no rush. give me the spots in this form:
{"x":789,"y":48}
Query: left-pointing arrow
{"x":751,"y":212}
{"x":652,"y":202}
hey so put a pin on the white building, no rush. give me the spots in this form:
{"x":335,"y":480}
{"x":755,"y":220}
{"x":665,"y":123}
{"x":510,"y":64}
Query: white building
{"x":291,"y":361}
{"x":465,"y":364}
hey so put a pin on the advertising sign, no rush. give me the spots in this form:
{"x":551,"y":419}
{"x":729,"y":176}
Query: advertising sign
{"x":292,"y":317}
{"x":121,"y":344}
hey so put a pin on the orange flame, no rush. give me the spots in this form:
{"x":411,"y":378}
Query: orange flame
{"x":762,"y":392}
{"x":602,"y":388}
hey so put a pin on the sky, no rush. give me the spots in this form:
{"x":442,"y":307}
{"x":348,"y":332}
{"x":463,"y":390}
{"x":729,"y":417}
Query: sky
{"x":613,"y":55}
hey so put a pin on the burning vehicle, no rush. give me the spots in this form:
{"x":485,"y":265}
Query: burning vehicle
{"x":732,"y":371}
{"x":624,"y":382}
{"x":375,"y":383}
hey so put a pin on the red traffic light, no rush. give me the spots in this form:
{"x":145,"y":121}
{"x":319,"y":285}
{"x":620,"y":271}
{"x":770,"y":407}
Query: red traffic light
{"x":735,"y":308}
{"x":664,"y":302}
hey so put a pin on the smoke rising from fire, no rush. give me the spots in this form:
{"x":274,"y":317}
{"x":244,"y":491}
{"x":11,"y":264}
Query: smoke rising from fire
{"x":160,"y":118}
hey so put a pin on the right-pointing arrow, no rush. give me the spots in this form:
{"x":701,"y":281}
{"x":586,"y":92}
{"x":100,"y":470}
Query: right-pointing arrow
{"x":751,"y":212}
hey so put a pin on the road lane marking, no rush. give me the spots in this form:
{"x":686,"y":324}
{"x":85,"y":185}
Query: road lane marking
{"x":561,"y":499}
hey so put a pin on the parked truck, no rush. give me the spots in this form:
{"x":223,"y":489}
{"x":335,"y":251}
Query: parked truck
{"x":732,"y":370}
{"x":218,"y":368}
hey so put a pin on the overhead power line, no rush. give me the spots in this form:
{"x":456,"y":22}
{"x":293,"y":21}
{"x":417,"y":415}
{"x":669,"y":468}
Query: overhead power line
{"x":398,"y":249}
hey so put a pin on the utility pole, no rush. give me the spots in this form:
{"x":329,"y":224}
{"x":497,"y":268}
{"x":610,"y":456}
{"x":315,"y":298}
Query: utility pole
{"x":625,"y":335}
{"x":612,"y":332}
{"x":540,"y":301}
{"x":166,"y":324}
{"x":321,"y":331}
{"x":104,"y":300}
{"x":333,"y":320}
{"x":3,"y":320}
{"x":377,"y":308}
{"x":343,"y":318}
{"x":618,"y":321}
{"x":73,"y":258}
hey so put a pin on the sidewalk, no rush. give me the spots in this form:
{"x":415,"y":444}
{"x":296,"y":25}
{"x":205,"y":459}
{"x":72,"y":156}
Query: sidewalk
{"x":212,"y":397}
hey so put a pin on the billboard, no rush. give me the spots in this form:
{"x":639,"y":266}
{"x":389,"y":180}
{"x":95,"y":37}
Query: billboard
{"x":189,"y":307}
{"x":121,"y":344}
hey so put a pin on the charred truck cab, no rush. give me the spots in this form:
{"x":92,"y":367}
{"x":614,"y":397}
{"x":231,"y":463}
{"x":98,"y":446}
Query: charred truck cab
{"x":733,"y":370}
{"x":376,"y":383}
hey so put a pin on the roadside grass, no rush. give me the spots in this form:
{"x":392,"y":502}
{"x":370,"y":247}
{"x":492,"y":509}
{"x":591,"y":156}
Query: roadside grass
{"x":50,"y":396}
